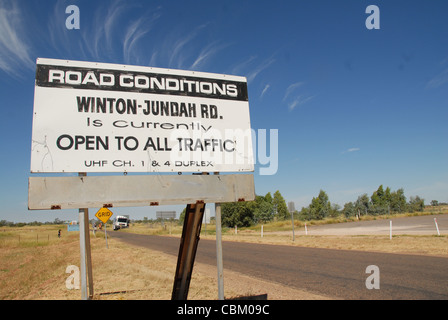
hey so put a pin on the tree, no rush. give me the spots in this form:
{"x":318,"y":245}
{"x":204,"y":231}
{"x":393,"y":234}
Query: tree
{"x":320,"y":207}
{"x":387,"y":196}
{"x":362,"y":204}
{"x":377,"y":197}
{"x":380,"y":201}
{"x":335,"y":210}
{"x":268,"y":198}
{"x":280,"y":207}
{"x":239,"y":214}
{"x":416,"y":204}
{"x":58,"y":221}
{"x":264,"y":210}
{"x":398,"y":201}
{"x":349,"y":209}
{"x":305,"y":214}
{"x":182,"y":216}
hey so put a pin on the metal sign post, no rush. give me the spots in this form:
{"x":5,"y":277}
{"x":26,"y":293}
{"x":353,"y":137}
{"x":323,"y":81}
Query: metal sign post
{"x":86,"y":258}
{"x":219,"y":261}
{"x":105,"y":234}
{"x":291,"y":208}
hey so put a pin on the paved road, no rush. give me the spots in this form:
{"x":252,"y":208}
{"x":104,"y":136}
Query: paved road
{"x":334,"y":273}
{"x":420,"y":225}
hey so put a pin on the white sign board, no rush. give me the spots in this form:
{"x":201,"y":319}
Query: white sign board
{"x":46,"y":193}
{"x":97,"y":117}
{"x":166,"y":214}
{"x":206,"y":216}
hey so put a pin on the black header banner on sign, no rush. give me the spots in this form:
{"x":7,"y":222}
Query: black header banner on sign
{"x":141,"y":82}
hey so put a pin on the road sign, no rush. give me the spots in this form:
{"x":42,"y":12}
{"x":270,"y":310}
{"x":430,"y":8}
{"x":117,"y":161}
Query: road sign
{"x":98,"y":117}
{"x":291,"y":206}
{"x":73,"y":227}
{"x":166,"y":214}
{"x":104,"y":214}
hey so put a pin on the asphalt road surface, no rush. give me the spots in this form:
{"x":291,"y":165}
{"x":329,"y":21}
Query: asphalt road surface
{"x":419,"y":225}
{"x":339,"y":274}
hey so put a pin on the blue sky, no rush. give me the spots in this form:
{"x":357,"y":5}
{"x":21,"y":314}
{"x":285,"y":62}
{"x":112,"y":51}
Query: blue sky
{"x":354,"y":108}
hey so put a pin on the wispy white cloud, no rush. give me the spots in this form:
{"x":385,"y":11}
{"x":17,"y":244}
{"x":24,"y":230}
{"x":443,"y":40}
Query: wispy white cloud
{"x":298,"y":101}
{"x":98,"y":33}
{"x":266,"y":87}
{"x":239,"y":68}
{"x":256,"y":71}
{"x":351,"y":150}
{"x":134,"y":33}
{"x":177,"y":56}
{"x":152,"y":61}
{"x":294,"y":98}
{"x":109,"y":32}
{"x":115,"y":9}
{"x":206,"y":54}
{"x":291,"y":88}
{"x":56,"y":27}
{"x":15,"y":53}
{"x":250,"y":69}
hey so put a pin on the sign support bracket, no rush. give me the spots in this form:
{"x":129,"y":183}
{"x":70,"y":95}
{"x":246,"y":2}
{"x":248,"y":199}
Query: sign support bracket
{"x":187,"y":250}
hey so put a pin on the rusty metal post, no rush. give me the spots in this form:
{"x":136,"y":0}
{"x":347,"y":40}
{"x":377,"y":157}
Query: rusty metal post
{"x":187,"y":250}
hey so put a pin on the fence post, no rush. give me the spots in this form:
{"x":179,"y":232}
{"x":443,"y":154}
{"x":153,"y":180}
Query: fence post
{"x":437,"y":227}
{"x":390,"y":230}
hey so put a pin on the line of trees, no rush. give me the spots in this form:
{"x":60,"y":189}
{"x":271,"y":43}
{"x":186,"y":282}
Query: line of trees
{"x":263,"y":209}
{"x":267,"y":208}
{"x":5,"y":223}
{"x":383,"y":202}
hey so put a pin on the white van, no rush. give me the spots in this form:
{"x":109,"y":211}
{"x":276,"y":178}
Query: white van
{"x":121,"y":222}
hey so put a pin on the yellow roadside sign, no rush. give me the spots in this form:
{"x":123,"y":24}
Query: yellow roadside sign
{"x":104,"y":214}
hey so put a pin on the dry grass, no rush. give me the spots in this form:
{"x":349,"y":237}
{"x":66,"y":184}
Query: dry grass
{"x":30,"y":236}
{"x":34,"y":271}
{"x":405,"y":244}
{"x":29,"y":268}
